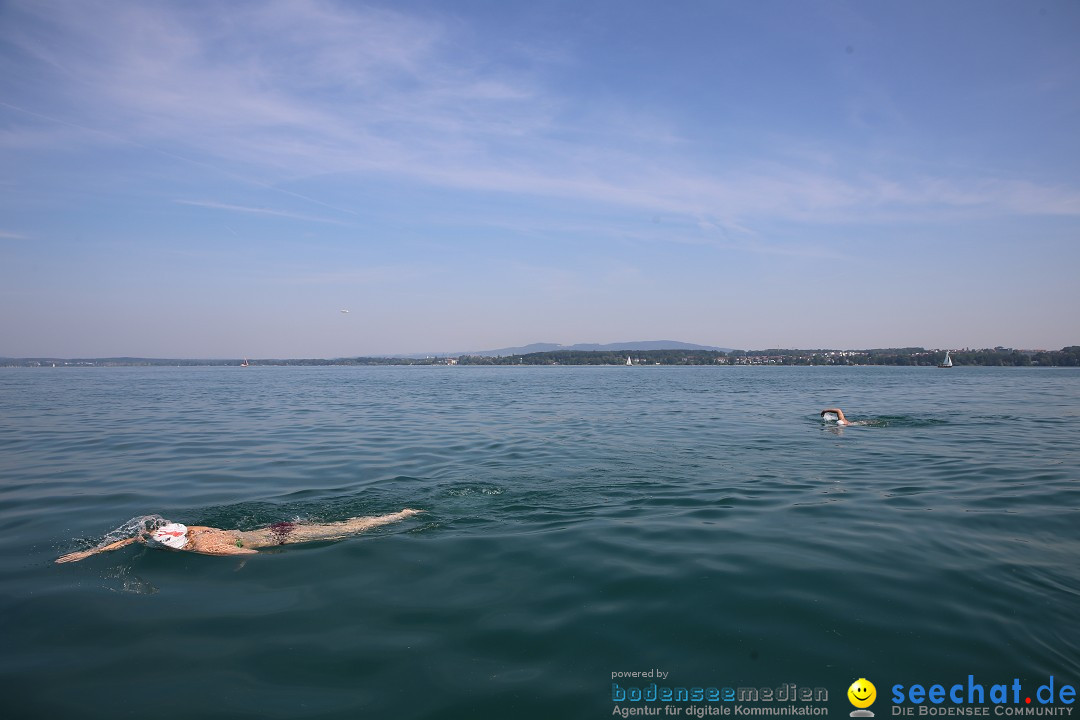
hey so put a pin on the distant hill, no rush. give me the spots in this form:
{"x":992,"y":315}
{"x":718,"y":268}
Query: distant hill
{"x":588,"y":347}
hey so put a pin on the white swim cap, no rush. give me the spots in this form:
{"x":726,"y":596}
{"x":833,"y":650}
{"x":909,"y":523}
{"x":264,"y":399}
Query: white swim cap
{"x":829,"y":416}
{"x":173,"y":535}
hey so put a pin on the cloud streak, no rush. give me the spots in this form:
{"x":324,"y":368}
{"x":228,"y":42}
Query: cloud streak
{"x":283,"y":91}
{"x":256,"y":211}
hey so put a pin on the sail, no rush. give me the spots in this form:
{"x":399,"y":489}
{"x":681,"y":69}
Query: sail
{"x":948,"y":360}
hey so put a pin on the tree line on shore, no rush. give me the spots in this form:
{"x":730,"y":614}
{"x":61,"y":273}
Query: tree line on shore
{"x":1066,"y":357}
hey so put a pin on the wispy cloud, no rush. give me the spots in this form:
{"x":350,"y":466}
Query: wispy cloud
{"x":4,"y":235}
{"x":281,"y":91}
{"x":397,"y":275}
{"x":256,"y":211}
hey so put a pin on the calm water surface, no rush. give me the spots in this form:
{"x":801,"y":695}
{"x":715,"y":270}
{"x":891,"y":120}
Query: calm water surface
{"x":580,"y":521}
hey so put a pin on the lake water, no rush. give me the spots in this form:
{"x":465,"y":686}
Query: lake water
{"x":579,"y":522}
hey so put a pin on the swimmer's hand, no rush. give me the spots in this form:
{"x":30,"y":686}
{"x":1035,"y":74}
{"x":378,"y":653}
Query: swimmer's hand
{"x":75,"y":556}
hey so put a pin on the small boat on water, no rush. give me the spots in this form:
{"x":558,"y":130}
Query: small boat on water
{"x":628,"y":360}
{"x":245,"y":363}
{"x":947,"y":362}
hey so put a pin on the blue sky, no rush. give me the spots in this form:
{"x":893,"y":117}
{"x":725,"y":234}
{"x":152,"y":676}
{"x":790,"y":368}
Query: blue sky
{"x":221,"y":179}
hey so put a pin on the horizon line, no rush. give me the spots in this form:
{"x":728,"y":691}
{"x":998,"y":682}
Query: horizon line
{"x":483,"y":353}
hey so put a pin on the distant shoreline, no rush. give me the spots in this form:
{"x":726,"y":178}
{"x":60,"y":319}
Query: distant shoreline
{"x":997,"y":357}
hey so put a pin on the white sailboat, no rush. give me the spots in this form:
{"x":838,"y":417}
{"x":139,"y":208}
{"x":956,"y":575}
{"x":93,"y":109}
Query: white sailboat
{"x":628,"y":360}
{"x":245,"y":363}
{"x":947,"y":362}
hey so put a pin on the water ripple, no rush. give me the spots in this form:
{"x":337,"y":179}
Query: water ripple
{"x":579,"y":520}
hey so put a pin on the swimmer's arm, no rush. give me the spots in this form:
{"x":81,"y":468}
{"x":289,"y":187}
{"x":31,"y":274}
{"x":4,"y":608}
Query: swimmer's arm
{"x":840,"y":419}
{"x":83,"y":554}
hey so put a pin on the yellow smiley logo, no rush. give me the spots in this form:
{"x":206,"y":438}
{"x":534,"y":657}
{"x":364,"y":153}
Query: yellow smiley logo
{"x":862,"y":693}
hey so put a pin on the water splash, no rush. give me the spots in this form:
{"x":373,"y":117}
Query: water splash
{"x":894,"y":421}
{"x":907,"y":421}
{"x":122,"y":579}
{"x":474,"y":489}
{"x":133,"y":527}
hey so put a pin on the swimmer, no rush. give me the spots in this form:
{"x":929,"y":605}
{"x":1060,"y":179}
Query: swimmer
{"x":835,"y":414}
{"x":212,"y":541}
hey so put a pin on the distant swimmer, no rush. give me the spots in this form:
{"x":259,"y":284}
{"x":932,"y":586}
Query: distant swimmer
{"x":835,"y":415}
{"x":158,"y":532}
